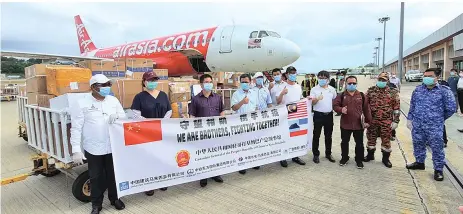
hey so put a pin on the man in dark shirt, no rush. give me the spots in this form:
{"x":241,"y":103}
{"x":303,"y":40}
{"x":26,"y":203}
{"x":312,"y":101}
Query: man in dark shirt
{"x":453,"y":82}
{"x":206,"y":104}
{"x":352,"y":105}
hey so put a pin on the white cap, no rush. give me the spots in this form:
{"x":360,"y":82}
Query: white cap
{"x":99,"y":78}
{"x":258,"y":74}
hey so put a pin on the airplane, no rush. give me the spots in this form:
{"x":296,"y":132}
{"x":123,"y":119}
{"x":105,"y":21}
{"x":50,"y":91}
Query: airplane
{"x":228,"y":48}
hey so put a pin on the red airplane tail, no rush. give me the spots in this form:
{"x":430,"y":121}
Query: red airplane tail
{"x":85,"y":43}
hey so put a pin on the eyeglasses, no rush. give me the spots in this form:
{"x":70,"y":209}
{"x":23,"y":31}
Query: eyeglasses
{"x":352,"y":83}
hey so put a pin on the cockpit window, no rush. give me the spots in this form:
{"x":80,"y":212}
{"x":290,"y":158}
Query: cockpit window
{"x":274,"y":34}
{"x":263,"y":33}
{"x":253,"y":34}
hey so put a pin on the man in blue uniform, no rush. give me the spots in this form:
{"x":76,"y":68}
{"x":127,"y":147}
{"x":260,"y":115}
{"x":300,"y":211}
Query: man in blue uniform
{"x":430,"y":106}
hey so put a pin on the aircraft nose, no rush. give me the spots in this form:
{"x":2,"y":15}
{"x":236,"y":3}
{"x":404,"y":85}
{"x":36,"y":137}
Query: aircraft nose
{"x":291,"y":51}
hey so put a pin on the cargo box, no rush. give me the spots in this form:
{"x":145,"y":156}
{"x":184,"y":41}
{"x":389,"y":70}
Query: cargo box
{"x":37,"y":84}
{"x":62,"y":80}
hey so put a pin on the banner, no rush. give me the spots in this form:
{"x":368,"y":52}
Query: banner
{"x":152,"y":154}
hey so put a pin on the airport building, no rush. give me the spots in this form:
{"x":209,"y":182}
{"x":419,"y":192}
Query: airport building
{"x":443,"y":49}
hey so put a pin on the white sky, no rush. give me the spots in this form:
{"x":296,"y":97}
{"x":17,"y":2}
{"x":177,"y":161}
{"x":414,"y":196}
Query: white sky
{"x":331,"y":35}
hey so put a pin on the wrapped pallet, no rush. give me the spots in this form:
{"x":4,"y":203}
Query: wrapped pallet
{"x":139,"y":64}
{"x":179,"y":110}
{"x":62,"y":80}
{"x":179,"y":92}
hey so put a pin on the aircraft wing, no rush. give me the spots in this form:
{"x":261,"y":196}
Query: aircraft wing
{"x":47,"y":56}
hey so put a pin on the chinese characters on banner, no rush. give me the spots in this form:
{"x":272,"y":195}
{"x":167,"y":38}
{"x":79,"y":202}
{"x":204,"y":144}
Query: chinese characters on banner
{"x":152,"y":154}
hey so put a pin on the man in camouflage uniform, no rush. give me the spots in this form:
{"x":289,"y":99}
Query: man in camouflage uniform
{"x":384,"y":103}
{"x":430,"y":106}
{"x":309,"y":83}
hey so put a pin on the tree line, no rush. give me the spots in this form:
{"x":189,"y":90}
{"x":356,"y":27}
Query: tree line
{"x":11,"y":65}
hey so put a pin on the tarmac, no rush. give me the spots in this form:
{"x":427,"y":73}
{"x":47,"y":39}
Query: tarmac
{"x":313,"y":188}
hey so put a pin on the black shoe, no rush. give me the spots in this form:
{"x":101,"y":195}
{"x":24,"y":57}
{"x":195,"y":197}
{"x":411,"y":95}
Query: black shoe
{"x":392,"y":138}
{"x":343,"y":161}
{"x":416,"y":166}
{"x":359,"y":165}
{"x":242,"y":172}
{"x":118,"y":204}
{"x":149,"y":193}
{"x":256,"y":168}
{"x":298,"y":161}
{"x":330,"y":158}
{"x":385,"y":160}
{"x":316,"y":159}
{"x":445,"y":145}
{"x":438,"y":175}
{"x":370,"y":156}
{"x":284,"y":163}
{"x":460,"y":130}
{"x":217,"y":179}
{"x":163,"y":189}
{"x":96,"y":210}
{"x":338,"y":114}
{"x":203,"y":182}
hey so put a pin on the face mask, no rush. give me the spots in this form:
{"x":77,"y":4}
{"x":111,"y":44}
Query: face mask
{"x":259,"y":81}
{"x":452,"y":73}
{"x":381,"y":84}
{"x":351,"y":87}
{"x":151,"y":85}
{"x":393,"y":76}
{"x":292,"y":77}
{"x":208,"y":86}
{"x":341,"y":77}
{"x":428,"y":80}
{"x":105,"y":91}
{"x":461,"y":74}
{"x":277,"y":78}
{"x":322,"y":82}
{"x":244,"y":86}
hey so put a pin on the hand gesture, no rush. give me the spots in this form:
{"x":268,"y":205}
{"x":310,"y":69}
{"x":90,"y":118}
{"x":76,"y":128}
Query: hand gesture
{"x":344,"y":110}
{"x":320,"y":97}
{"x":394,"y":126}
{"x":285,"y":91}
{"x":409,"y":125}
{"x":246,"y":100}
{"x":366,"y":125}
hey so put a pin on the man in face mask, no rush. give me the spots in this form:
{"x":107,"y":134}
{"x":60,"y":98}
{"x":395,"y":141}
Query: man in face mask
{"x":453,"y":82}
{"x":90,"y":126}
{"x":290,"y":94}
{"x":278,"y":86}
{"x":395,"y":81}
{"x":322,"y":101}
{"x":244,"y":100}
{"x":352,"y":104}
{"x":384,"y":103}
{"x":430,"y":106}
{"x":340,"y":84}
{"x":207,"y":98}
{"x":264,"y":100}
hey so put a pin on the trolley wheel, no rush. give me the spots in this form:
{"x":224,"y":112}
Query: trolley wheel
{"x":81,"y":187}
{"x":51,"y":173}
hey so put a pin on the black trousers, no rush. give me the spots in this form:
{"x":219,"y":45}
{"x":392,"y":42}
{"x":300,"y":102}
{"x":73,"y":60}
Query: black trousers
{"x":325,"y":121}
{"x":460,"y":99}
{"x":445,"y":135}
{"x":393,"y":133}
{"x":358,"y":138}
{"x":101,"y":171}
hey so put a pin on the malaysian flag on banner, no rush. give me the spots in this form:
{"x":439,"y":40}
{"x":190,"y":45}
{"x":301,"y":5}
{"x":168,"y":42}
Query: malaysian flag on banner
{"x":298,"y":118}
{"x":299,"y":112}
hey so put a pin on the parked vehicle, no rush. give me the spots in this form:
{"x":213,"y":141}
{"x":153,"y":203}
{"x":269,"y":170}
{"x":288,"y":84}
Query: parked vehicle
{"x":413,"y":75}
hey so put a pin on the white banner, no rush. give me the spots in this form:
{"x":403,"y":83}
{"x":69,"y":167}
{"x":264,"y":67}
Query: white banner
{"x":157,"y":153}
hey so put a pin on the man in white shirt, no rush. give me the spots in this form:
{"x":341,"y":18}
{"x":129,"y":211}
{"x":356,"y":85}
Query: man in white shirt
{"x":394,"y":80}
{"x":90,"y":125}
{"x":244,"y":100}
{"x":291,"y":93}
{"x":277,"y":86}
{"x":264,"y":100}
{"x":322,"y":101}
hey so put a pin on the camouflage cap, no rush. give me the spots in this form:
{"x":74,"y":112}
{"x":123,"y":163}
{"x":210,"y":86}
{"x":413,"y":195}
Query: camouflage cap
{"x":383,"y":75}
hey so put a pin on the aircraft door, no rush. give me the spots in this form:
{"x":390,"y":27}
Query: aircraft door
{"x":226,"y":39}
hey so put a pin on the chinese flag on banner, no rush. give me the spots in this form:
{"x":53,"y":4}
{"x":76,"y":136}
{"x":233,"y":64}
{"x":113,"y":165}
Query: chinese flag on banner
{"x":142,"y":132}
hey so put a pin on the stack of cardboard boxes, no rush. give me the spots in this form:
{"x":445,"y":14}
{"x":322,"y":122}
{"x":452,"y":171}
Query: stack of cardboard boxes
{"x":112,"y":69}
{"x":44,"y":82}
{"x":226,"y":80}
